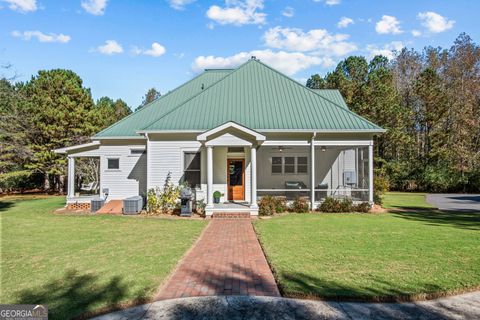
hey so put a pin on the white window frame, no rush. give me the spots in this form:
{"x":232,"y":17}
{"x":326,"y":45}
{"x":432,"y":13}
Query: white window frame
{"x":197,"y":151}
{"x":113,"y":158}
{"x":295,"y":165}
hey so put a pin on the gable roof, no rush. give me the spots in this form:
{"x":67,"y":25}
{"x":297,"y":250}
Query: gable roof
{"x":261,"y":98}
{"x":128,"y":126}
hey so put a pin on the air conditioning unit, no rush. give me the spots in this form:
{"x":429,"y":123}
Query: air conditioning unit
{"x":132,"y":205}
{"x":96,"y":204}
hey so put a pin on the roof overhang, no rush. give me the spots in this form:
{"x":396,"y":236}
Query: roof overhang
{"x":77,"y":148}
{"x":231,"y":127}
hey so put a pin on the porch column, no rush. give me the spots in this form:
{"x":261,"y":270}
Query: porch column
{"x":370,"y":172}
{"x":312,"y":173}
{"x":253,"y":176}
{"x":209,"y":176}
{"x":71,"y":176}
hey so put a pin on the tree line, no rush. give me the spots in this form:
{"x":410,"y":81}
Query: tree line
{"x":429,"y":102}
{"x":51,"y":110}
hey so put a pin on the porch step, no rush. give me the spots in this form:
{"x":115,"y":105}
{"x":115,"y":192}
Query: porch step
{"x":112,"y":207}
{"x":231,"y":215}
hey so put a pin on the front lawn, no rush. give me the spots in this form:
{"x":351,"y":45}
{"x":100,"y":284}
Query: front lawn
{"x":401,"y":255}
{"x":82,"y":263}
{"x":405,"y":200}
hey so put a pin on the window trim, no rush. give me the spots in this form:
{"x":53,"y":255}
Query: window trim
{"x":113,"y":158}
{"x":195,"y":151}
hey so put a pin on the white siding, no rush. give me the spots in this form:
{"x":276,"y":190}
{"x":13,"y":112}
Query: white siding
{"x":130,"y":179}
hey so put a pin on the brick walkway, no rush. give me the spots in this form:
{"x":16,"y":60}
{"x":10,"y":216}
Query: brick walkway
{"x":227,"y":260}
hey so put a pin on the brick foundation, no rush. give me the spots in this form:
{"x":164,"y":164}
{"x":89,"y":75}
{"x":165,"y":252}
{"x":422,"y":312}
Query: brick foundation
{"x":231,"y":215}
{"x":78,"y":206}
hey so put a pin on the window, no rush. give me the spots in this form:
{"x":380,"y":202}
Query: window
{"x":236,"y":149}
{"x":137,"y":151}
{"x":192,"y":168}
{"x":302,"y":165}
{"x":276,"y":164}
{"x":289,"y":165}
{"x":113,"y":163}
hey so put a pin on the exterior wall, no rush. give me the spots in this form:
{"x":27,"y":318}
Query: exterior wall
{"x":131,"y":178}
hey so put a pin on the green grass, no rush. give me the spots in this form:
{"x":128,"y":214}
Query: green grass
{"x":393,"y":200}
{"x":82,"y":263}
{"x":401,"y":255}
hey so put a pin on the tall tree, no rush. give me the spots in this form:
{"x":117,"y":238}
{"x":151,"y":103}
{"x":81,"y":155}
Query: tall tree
{"x":151,"y":95}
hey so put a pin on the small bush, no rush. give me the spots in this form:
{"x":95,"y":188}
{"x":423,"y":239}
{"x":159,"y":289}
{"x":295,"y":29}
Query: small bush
{"x":363,"y":207}
{"x":280,"y":204}
{"x":300,"y":205}
{"x":346,"y":205}
{"x":267,"y":206}
{"x":217,"y":194}
{"x":165,"y":200}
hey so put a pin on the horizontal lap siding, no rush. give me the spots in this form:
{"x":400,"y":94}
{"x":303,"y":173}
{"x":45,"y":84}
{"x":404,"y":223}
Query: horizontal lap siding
{"x":165,"y":157}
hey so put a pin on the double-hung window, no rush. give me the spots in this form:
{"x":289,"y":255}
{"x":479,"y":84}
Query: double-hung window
{"x":191,"y":170}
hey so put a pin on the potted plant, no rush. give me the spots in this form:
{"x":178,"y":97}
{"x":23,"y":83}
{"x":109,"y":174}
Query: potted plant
{"x":216,"y":196}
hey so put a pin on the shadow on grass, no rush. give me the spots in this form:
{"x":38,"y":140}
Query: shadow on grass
{"x":76,"y":295}
{"x":5,"y":205}
{"x":463,"y":220}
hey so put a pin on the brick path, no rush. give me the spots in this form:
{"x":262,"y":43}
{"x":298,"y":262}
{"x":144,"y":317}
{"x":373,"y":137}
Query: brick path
{"x":227,"y":260}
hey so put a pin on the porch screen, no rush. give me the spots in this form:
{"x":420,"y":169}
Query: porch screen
{"x":192,"y":168}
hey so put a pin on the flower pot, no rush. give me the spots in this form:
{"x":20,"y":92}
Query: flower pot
{"x":216,"y":200}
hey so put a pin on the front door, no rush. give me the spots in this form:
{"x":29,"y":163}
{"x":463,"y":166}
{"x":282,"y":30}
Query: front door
{"x":236,"y":179}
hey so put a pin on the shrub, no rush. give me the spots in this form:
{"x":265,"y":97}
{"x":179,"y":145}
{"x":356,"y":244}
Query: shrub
{"x":335,"y":205}
{"x":165,"y":200}
{"x":201,"y":206}
{"x":363,"y":207}
{"x":266,"y":206}
{"x":300,"y":205}
{"x":280,"y":204}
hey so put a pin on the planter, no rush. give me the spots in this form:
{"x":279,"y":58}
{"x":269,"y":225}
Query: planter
{"x":216,"y":200}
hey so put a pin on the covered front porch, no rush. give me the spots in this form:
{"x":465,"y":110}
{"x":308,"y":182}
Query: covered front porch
{"x":243,"y":165}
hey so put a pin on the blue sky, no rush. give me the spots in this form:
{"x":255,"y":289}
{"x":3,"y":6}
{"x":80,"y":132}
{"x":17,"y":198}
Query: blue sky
{"x":121,"y":48}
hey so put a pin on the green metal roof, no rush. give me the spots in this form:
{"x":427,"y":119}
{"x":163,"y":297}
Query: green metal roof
{"x":333,"y":95}
{"x":261,"y":98}
{"x":129,"y":125}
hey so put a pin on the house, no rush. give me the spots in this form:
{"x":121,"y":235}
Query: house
{"x":246,"y":132}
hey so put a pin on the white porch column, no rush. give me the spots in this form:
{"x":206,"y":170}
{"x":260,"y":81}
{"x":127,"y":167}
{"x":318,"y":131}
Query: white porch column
{"x":71,"y":177}
{"x":253,"y":176}
{"x":209,"y":176}
{"x":370,"y":172}
{"x":312,"y":173}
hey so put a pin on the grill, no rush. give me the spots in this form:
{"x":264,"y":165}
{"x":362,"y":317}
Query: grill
{"x":186,"y":202}
{"x":132,"y":205}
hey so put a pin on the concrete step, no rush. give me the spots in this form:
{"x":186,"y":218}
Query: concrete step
{"x":112,"y":207}
{"x":231,"y":215}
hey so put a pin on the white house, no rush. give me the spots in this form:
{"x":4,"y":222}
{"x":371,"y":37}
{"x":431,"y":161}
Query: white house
{"x":245,"y":132}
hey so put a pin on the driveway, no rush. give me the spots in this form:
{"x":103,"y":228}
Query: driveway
{"x":455,"y":202}
{"x":466,"y":306}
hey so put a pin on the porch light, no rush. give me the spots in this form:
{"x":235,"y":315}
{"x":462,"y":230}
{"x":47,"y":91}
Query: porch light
{"x":324,"y":148}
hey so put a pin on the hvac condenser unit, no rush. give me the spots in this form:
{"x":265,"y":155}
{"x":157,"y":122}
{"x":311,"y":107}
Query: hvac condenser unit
{"x":132,"y":205}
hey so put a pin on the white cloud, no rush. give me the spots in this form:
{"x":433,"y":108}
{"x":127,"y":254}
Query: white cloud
{"x":287,"y":62}
{"x":238,"y":12}
{"x":288,"y":12}
{"x":42,"y":37}
{"x":329,"y":2}
{"x":388,"y":50}
{"x":319,"y":40}
{"x":22,"y":5}
{"x":434,"y":22}
{"x":179,"y":4}
{"x":110,"y":47}
{"x":156,"y":50}
{"x":344,"y":22}
{"x":416,"y":33}
{"x":95,"y":7}
{"x":388,"y":24}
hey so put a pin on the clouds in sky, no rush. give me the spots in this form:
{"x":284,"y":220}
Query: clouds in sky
{"x":388,"y":25}
{"x":238,"y":12}
{"x":179,"y":4}
{"x":287,"y":62}
{"x":388,"y":50}
{"x":110,"y":47}
{"x":156,"y":50}
{"x":344,"y":22}
{"x":288,"y":12}
{"x":23,"y":6}
{"x":95,"y":7}
{"x":329,"y":2}
{"x":318,"y":40}
{"x":434,"y":22}
{"x":41,"y":37}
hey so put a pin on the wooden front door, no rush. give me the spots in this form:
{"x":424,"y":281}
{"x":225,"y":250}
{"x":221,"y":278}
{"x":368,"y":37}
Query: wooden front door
{"x":236,"y":179}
